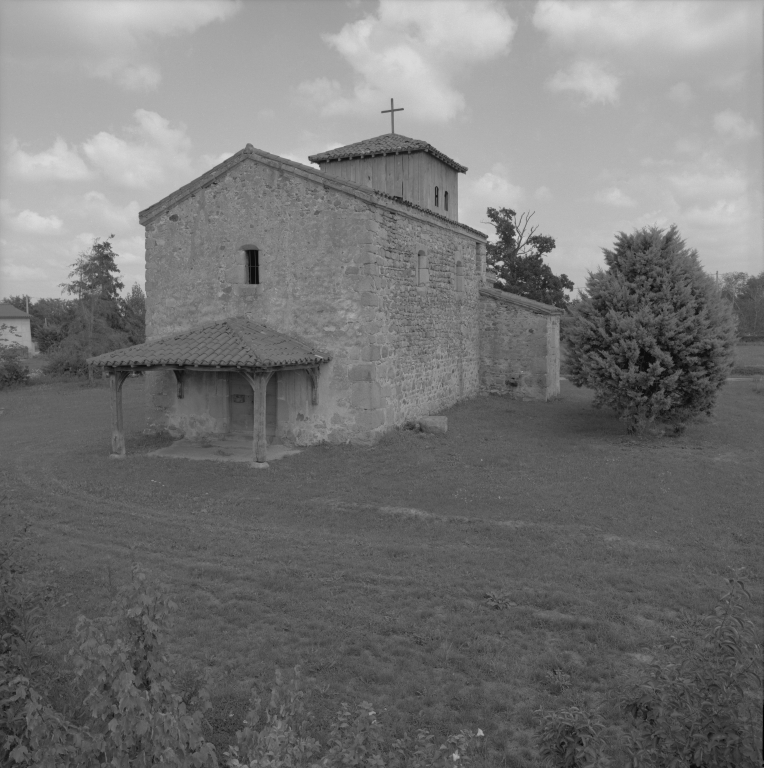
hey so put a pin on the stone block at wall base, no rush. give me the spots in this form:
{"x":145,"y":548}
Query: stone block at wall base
{"x":434,"y":425}
{"x":368,"y":420}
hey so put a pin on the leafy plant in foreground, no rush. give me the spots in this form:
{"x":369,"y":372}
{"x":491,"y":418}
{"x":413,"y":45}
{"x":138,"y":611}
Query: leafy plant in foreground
{"x":704,"y":709}
{"x":135,"y":715}
{"x":571,"y":738}
{"x":275,"y":736}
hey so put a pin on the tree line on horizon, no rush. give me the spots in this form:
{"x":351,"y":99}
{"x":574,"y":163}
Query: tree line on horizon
{"x":96,"y":319}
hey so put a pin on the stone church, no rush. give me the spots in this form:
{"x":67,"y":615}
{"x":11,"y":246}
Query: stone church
{"x":300,"y":305}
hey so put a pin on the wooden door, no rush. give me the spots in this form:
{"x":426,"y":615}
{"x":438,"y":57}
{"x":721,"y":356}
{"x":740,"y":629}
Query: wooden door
{"x":243,"y":406}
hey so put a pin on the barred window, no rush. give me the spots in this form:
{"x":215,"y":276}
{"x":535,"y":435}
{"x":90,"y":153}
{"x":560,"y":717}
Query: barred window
{"x":253,"y":267}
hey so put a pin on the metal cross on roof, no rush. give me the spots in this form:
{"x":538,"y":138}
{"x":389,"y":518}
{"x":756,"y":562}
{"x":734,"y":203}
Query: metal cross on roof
{"x":392,"y":112}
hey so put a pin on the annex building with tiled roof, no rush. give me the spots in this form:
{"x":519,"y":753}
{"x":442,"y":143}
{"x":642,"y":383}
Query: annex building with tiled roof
{"x":301,"y":304}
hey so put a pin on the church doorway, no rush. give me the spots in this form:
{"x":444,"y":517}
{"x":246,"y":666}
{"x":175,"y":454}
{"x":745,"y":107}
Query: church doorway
{"x":242,"y":402}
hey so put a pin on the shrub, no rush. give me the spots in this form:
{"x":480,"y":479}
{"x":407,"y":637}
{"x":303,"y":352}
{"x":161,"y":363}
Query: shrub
{"x":131,"y":714}
{"x":276,"y":737}
{"x":12,"y":369}
{"x":702,"y":710}
{"x":134,"y":711}
{"x":651,"y":335}
{"x":571,"y":738}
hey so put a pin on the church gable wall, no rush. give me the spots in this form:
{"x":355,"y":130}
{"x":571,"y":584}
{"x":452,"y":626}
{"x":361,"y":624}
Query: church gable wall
{"x":306,"y":235}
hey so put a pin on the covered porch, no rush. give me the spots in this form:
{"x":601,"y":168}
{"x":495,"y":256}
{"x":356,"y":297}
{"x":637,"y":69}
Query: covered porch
{"x":242,"y":360}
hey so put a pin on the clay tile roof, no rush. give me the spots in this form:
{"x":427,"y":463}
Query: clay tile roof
{"x":236,"y":341}
{"x":8,"y":310}
{"x":387,"y":144}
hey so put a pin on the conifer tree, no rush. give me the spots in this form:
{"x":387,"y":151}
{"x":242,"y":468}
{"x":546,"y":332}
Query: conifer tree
{"x":652,"y":335}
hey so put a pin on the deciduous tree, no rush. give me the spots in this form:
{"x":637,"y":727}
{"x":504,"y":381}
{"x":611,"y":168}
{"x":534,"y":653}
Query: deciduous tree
{"x":518,"y":260}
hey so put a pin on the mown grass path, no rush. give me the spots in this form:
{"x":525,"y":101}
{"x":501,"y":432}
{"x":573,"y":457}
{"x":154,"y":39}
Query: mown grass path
{"x":369,"y":566}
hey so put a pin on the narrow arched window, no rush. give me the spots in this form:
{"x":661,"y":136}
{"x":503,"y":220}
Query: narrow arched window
{"x":445,"y":201}
{"x":459,"y":277}
{"x":478,"y":262}
{"x":422,"y":269}
{"x":437,"y":192}
{"x":253,"y":267}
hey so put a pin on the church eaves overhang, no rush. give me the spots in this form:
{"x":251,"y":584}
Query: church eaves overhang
{"x":387,"y":144}
{"x":521,"y":301}
{"x":251,"y":153}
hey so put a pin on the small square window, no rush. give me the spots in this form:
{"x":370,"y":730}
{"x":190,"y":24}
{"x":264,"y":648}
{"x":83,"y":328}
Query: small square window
{"x":253,"y":267}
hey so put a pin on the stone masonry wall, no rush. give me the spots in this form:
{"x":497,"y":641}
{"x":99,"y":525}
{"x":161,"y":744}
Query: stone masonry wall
{"x":337,"y":269}
{"x":432,"y":330}
{"x":519,"y":350}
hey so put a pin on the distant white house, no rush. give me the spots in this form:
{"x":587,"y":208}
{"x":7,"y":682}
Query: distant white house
{"x":16,"y":326}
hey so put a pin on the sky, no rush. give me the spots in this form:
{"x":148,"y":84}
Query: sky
{"x":600,"y":117}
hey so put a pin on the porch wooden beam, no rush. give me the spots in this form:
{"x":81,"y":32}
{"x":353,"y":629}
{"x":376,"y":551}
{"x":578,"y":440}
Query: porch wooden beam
{"x":259,"y":382}
{"x":179,"y":378}
{"x":313,"y":373}
{"x":116,"y":380}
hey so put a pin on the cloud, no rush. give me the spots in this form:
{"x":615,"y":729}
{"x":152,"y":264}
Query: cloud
{"x":543,"y":193}
{"x":35,"y":223}
{"x":707,"y":178}
{"x":154,"y":151}
{"x":210,"y":161}
{"x":734,"y":125}
{"x":22,"y":272}
{"x":415,"y":49}
{"x":132,"y":77}
{"x":57,"y":163}
{"x":97,"y":208}
{"x":677,"y":28}
{"x":590,"y":80}
{"x":109,"y":38}
{"x":681,"y":93}
{"x":493,"y":189}
{"x":615,"y":197}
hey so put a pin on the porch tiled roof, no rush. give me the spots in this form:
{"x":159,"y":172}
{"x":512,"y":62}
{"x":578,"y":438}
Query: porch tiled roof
{"x":386,"y":144}
{"x":236,"y":341}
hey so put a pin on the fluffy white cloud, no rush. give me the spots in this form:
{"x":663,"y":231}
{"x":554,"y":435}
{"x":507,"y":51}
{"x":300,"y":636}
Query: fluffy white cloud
{"x":415,"y":49}
{"x":734,"y":125}
{"x":126,"y":23}
{"x":60,"y":162}
{"x":707,"y":178}
{"x":493,"y":189}
{"x":35,"y":223}
{"x":210,"y":161}
{"x":153,"y":152}
{"x":589,"y":79}
{"x":681,"y":93}
{"x":97,"y":208}
{"x":108,"y":39}
{"x":132,"y":77}
{"x":675,"y":27}
{"x":615,"y":197}
{"x":22,"y":272}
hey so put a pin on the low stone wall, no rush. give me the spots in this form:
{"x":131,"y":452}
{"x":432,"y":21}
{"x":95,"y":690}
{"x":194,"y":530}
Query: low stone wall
{"x":519,"y":346}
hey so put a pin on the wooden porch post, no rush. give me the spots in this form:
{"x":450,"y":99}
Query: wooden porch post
{"x":259,"y":383}
{"x":116,"y":379}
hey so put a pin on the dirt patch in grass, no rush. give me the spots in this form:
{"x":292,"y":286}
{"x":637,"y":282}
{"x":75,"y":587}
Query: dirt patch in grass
{"x":369,"y":566}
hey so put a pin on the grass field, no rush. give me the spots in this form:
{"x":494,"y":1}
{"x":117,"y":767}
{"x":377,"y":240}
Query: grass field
{"x":369,"y":566}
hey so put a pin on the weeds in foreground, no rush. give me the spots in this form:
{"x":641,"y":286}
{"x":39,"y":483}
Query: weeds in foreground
{"x":699,"y":709}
